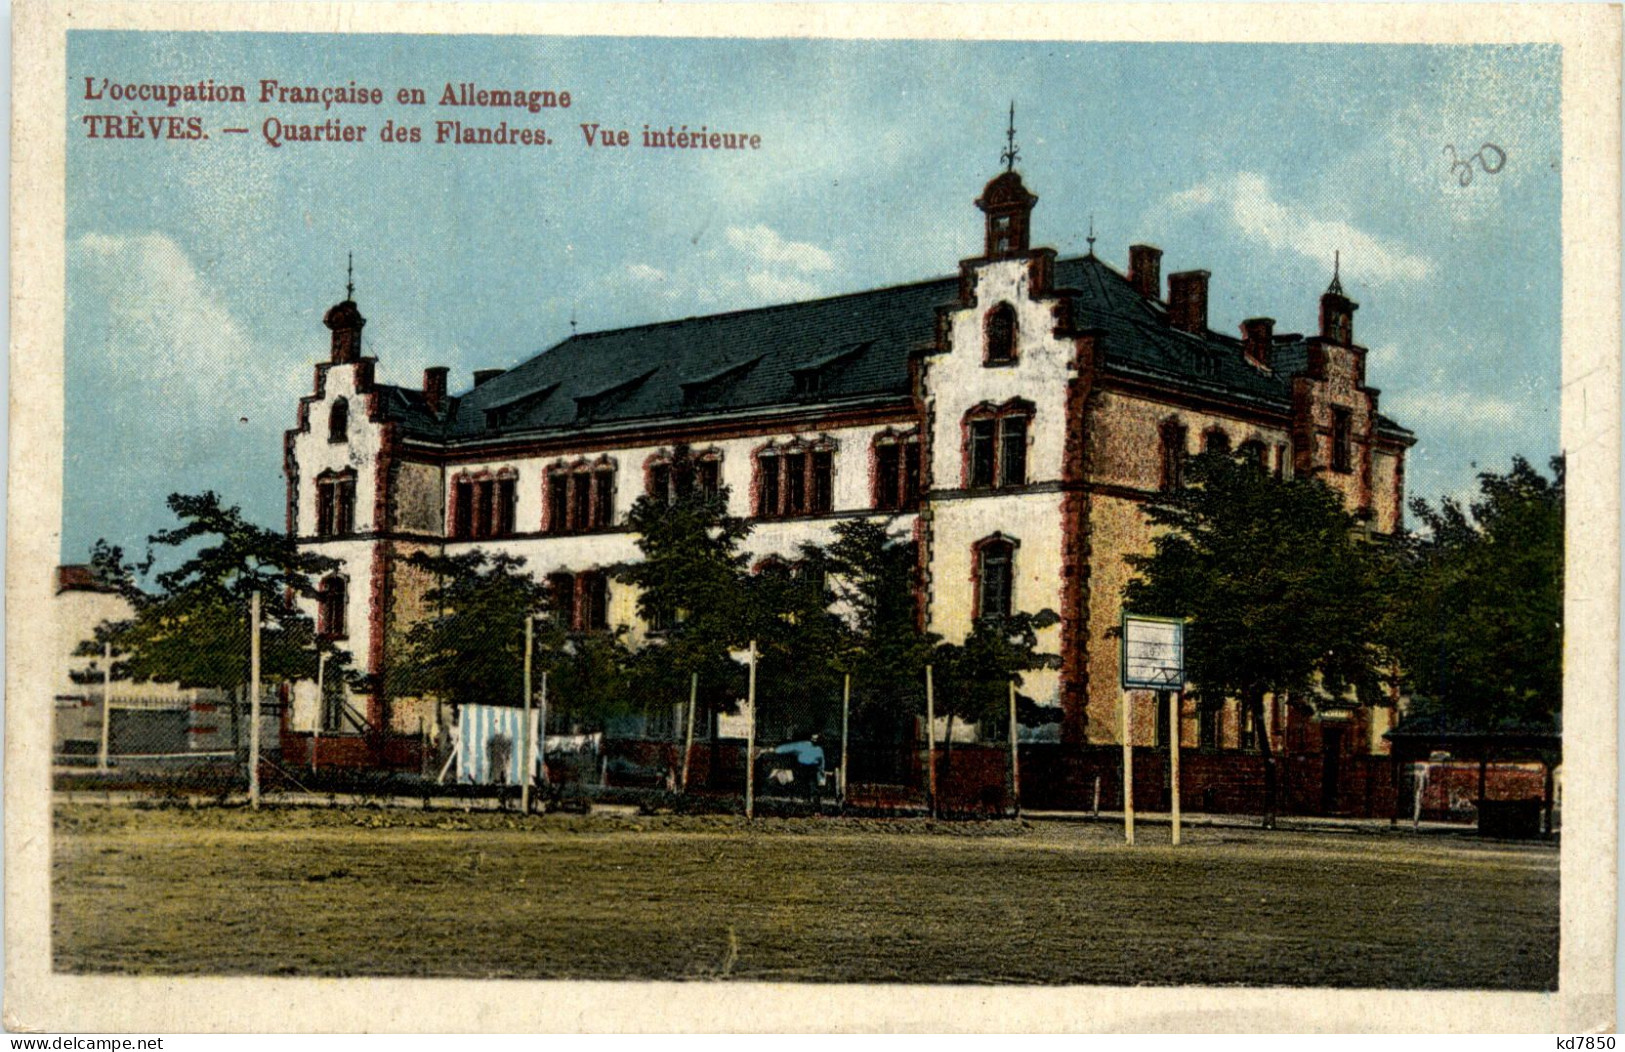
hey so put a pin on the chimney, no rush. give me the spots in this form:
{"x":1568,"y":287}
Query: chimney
{"x":1145,"y":270}
{"x":434,"y":387}
{"x":1257,"y":334}
{"x":1187,"y":301}
{"x":482,"y":375}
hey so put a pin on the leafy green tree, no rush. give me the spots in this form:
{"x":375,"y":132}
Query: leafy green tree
{"x":191,"y":625}
{"x":874,"y":577}
{"x":1280,"y":592}
{"x":589,"y":677}
{"x":1479,"y":629}
{"x":799,"y":640}
{"x":470,"y":645}
{"x":973,"y":678}
{"x":692,"y":581}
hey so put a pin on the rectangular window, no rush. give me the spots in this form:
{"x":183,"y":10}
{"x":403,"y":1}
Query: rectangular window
{"x":981,"y":453}
{"x":580,"y":500}
{"x":1013,"y":462}
{"x":324,"y":509}
{"x":558,"y":503}
{"x":594,"y":602}
{"x":482,"y":508}
{"x":603,"y":498}
{"x":505,"y":507}
{"x":709,"y":473}
{"x":888,"y":475}
{"x":795,"y":483}
{"x":562,"y":598}
{"x":1164,"y":728}
{"x":462,"y":515}
{"x":1342,"y":440}
{"x":767,"y":497}
{"x":1208,"y":727}
{"x":1173,"y":457}
{"x":823,"y":480}
{"x":995,"y":581}
{"x":660,"y":483}
{"x":1249,"y":729}
{"x":911,"y":475}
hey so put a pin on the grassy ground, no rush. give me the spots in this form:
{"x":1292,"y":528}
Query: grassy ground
{"x":316,"y":892}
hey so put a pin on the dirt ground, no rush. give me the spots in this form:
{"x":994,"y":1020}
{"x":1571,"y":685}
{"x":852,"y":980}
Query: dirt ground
{"x":402,"y":893}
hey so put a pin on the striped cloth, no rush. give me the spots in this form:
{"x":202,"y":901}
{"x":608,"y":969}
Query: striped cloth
{"x":488,"y":744}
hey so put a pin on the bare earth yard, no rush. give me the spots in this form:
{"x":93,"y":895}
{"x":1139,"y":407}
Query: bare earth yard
{"x":402,"y":893}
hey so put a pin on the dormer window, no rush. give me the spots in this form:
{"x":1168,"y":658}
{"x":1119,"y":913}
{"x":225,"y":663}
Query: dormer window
{"x":1001,"y":336}
{"x":338,"y":421}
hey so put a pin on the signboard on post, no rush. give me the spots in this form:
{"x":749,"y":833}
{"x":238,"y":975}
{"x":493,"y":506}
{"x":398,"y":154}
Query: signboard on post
{"x":1153,"y":653}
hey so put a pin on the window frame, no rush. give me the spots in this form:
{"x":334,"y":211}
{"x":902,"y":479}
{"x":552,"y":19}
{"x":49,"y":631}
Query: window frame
{"x":1174,"y":445}
{"x":333,"y":608}
{"x":987,"y":437}
{"x":338,"y":422}
{"x":1001,"y":332}
{"x":990,"y":552}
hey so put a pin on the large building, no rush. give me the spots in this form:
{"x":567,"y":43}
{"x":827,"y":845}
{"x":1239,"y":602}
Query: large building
{"x":1014,"y":418}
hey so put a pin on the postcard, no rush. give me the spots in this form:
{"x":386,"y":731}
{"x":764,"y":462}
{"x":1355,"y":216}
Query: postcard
{"x":774,"y":517}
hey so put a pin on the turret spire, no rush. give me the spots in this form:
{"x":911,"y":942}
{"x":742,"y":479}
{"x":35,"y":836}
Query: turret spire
{"x":1337,"y":265}
{"x":349,"y":276}
{"x":1012,"y":153}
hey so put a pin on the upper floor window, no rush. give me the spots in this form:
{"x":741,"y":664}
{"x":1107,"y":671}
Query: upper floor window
{"x":1001,"y":335}
{"x":997,"y":440}
{"x":335,"y":504}
{"x":338,"y":421}
{"x":1174,"y":453}
{"x":332,"y":602}
{"x":483,"y":507}
{"x":669,"y":479}
{"x":897,"y":473}
{"x":580,"y":601}
{"x":995,"y":577}
{"x":795,"y":480}
{"x":580,"y":497}
{"x":1215,"y":440}
{"x":1342,"y":439}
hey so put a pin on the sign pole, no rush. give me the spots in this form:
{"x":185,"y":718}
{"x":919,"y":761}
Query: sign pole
{"x":321,"y":709}
{"x":750,"y":741}
{"x":1015,"y":755}
{"x":541,"y":732}
{"x":1174,"y":705}
{"x":107,"y":705}
{"x":254,"y":701}
{"x":688,"y":741}
{"x":1128,"y":769}
{"x":930,"y":742}
{"x":524,"y":734}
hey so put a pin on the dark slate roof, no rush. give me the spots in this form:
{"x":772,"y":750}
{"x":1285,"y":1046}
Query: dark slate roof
{"x":848,"y":348}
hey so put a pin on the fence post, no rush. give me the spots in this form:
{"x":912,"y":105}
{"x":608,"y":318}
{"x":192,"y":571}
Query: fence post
{"x":107,"y":704}
{"x":1015,"y":755}
{"x":930,"y":742}
{"x":524,"y":734}
{"x":688,"y":740}
{"x":1174,"y":698}
{"x":1128,"y":769}
{"x":846,"y":714}
{"x":750,"y":741}
{"x":254,"y":701}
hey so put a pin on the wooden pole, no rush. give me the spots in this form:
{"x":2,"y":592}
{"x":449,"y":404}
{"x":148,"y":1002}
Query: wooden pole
{"x":524,"y":733}
{"x":750,"y":740}
{"x":321,"y":708}
{"x":1015,"y":755}
{"x":930,"y":742}
{"x":541,"y":732}
{"x":107,"y":705}
{"x":688,"y":740}
{"x":1128,"y":769}
{"x":254,"y":701}
{"x":1174,"y":699}
{"x":846,"y":719}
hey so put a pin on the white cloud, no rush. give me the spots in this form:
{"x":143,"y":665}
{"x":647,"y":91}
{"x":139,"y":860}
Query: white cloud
{"x":1248,"y":203}
{"x":751,"y":266}
{"x":765,"y":245}
{"x":1452,"y":410}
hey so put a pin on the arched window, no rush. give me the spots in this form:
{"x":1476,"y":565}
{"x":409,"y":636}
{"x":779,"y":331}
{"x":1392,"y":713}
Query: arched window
{"x":996,"y":445}
{"x":995,"y":577}
{"x":896,"y":472}
{"x":1001,"y":335}
{"x":1214,"y":440}
{"x":332,"y":601}
{"x":1173,"y":455}
{"x":1253,"y":452}
{"x":338,"y":421}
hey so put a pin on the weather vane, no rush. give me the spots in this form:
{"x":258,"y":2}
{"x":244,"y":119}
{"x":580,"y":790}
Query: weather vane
{"x":1337,"y":268}
{"x":1011,"y":153}
{"x":349,"y":276}
{"x":1091,"y":238}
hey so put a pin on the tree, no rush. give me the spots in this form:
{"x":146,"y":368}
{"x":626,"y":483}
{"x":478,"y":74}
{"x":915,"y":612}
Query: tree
{"x":799,"y":640}
{"x":874,"y":576}
{"x":1479,"y":630}
{"x":973,"y":683}
{"x":1280,"y":594}
{"x":470,"y":647}
{"x":191,"y":627}
{"x":691,"y":582}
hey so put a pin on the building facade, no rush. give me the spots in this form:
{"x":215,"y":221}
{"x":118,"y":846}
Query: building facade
{"x":1013,"y":419}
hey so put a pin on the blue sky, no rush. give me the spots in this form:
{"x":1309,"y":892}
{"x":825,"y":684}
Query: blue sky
{"x":198,"y":271}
